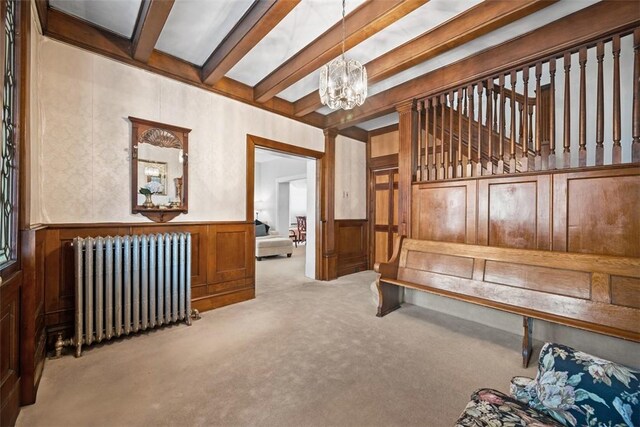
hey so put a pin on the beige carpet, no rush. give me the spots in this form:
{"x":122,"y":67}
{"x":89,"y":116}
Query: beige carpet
{"x":303,"y":353}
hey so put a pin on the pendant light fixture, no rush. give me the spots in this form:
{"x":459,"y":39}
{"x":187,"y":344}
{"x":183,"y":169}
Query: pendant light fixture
{"x":343,"y":83}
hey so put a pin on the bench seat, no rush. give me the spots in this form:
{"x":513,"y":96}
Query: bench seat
{"x":592,"y":292}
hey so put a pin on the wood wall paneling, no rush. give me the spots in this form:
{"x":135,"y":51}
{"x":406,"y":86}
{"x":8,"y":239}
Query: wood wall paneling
{"x":384,"y":144}
{"x":602,"y":215}
{"x":32,"y":346}
{"x":10,"y":290}
{"x":445,"y":211}
{"x":514,"y":212}
{"x":352,"y":245}
{"x":222,"y":266}
{"x":592,"y":210}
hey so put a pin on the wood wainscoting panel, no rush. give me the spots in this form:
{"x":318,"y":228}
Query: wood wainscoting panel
{"x":603,"y":215}
{"x":10,"y":290}
{"x":445,"y":211}
{"x":514,"y":212}
{"x":32,"y":349}
{"x":594,"y":210}
{"x":352,"y":245}
{"x":222,"y":266}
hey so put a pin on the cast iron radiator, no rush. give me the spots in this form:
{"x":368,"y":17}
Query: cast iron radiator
{"x":128,"y":284}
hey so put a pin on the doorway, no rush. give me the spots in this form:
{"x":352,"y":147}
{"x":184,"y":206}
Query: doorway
{"x":274,"y":198}
{"x":384,"y":203}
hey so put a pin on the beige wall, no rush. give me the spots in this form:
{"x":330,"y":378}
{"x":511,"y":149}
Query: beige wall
{"x":81,"y":146}
{"x":351,"y":179}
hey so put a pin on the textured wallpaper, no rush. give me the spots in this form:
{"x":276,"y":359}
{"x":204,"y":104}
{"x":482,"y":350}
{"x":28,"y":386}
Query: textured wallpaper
{"x":82,"y":141}
{"x":351,"y":179}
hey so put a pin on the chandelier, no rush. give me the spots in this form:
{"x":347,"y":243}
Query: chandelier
{"x":343,"y":83}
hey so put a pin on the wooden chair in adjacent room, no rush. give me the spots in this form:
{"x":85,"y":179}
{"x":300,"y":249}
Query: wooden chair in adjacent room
{"x":302,"y":228}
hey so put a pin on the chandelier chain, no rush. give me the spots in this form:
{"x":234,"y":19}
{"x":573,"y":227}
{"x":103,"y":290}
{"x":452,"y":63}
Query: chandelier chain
{"x":344,"y":31}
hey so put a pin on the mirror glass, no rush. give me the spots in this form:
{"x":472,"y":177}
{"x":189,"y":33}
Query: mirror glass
{"x":160,"y":171}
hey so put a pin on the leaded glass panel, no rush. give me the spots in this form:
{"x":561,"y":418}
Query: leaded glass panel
{"x":8,"y":199}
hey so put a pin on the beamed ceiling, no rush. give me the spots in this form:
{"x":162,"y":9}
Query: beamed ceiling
{"x":268,"y":52}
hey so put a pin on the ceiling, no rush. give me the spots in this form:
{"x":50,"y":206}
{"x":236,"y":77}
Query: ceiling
{"x":193,"y":30}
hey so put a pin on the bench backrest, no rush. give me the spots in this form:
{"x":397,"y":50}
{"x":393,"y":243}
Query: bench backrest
{"x":594,"y":292}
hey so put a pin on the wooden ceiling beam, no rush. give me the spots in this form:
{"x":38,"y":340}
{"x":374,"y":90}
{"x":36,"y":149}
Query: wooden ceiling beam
{"x":79,"y":33}
{"x":259,"y":20}
{"x":365,"y":21}
{"x":599,"y":20}
{"x":42,"y":7}
{"x":151,"y":19}
{"x":356,"y":133}
{"x":479,"y":20}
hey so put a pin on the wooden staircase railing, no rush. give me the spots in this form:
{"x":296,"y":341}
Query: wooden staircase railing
{"x":507,"y":123}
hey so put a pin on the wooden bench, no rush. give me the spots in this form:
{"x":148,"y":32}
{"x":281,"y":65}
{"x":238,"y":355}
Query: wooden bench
{"x":593,"y":292}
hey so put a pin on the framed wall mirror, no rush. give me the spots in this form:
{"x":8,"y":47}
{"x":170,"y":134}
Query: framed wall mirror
{"x":159,"y":169}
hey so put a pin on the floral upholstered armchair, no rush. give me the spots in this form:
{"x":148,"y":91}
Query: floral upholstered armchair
{"x":571,"y":389}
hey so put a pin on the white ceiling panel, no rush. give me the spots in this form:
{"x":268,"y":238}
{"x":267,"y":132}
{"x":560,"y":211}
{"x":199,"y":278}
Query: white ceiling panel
{"x":196,"y":27}
{"x":421,"y":20}
{"x":308,"y":20}
{"x":379,"y":122}
{"x":118,"y":16}
{"x":522,"y":26}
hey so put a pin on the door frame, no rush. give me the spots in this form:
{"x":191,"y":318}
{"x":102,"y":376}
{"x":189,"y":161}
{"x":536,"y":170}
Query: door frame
{"x":254,"y":141}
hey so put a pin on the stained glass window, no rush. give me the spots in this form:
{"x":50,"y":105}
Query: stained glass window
{"x":8,"y":177}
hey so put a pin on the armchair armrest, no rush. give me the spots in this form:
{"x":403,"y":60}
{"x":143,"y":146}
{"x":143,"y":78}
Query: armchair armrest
{"x":522,"y":388}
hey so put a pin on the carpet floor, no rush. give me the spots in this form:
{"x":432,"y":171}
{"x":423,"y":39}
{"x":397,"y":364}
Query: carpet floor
{"x":303,"y":353}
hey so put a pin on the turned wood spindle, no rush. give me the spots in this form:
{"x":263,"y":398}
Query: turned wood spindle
{"x":566,"y":142}
{"x":420,"y":142}
{"x":459,"y":154}
{"x":600,"y":106}
{"x":582,"y":122}
{"x":433,"y":172}
{"x":635,"y":115}
{"x":552,"y":113}
{"x":512,"y":137}
{"x":525,"y":122}
{"x":443,"y":104}
{"x":617,"y":148}
{"x":450,"y":158}
{"x":538,"y":142}
{"x":495,"y":109}
{"x":469,"y":128}
{"x":501,"y":131}
{"x":480,"y":88}
{"x":490,"y":124}
{"x":427,"y":121}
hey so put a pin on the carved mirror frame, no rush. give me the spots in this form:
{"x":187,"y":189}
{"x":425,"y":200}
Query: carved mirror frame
{"x":160,"y":135}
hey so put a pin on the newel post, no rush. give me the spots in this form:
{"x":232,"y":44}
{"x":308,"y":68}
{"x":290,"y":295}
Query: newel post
{"x":328,"y":262}
{"x":407,"y":162}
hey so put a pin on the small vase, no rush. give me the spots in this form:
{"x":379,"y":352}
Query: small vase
{"x":148,"y":203}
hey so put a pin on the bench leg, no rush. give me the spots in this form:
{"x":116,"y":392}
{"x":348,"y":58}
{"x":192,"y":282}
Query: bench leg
{"x":527,"y":340}
{"x":389,"y":298}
